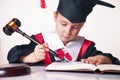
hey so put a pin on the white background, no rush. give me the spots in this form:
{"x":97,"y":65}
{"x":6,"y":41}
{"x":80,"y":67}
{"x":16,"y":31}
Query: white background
{"x":102,"y":26}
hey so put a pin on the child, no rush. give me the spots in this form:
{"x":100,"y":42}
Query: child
{"x":69,"y":18}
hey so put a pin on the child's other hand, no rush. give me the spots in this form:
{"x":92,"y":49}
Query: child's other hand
{"x":40,"y":51}
{"x":98,"y":59}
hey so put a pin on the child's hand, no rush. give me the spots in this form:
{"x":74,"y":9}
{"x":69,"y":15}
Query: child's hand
{"x":40,"y":50}
{"x":37,"y":55}
{"x":99,"y":59}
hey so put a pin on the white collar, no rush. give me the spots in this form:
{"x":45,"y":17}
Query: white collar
{"x":53,"y":40}
{"x":73,"y":47}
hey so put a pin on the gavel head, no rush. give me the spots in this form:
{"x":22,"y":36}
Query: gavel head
{"x":11,"y":26}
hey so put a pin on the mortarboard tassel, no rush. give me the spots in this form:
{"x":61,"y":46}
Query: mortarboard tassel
{"x":42,"y":4}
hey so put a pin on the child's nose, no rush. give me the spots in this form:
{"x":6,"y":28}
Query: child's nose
{"x":68,"y":31}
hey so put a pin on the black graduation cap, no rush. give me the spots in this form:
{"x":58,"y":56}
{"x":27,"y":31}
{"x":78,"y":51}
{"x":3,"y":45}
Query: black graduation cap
{"x":77,"y":10}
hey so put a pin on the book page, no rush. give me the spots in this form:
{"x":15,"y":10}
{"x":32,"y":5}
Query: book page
{"x":109,"y":67}
{"x":71,"y":66}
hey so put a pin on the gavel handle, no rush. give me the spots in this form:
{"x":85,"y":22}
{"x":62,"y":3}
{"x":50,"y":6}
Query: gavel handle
{"x":31,"y":39}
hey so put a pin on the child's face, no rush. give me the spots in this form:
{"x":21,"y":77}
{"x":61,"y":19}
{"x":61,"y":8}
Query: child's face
{"x":66,"y":30}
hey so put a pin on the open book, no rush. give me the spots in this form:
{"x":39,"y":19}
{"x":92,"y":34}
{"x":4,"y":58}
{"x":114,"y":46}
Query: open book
{"x":83,"y":67}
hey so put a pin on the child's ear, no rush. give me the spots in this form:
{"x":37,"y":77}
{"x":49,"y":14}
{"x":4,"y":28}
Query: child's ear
{"x":55,"y":15}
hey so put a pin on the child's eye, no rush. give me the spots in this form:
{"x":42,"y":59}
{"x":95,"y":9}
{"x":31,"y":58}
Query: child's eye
{"x":75,"y":27}
{"x":63,"y":23}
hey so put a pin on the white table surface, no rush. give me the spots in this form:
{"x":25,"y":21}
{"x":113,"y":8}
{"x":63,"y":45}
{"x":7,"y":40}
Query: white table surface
{"x":38,"y":73}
